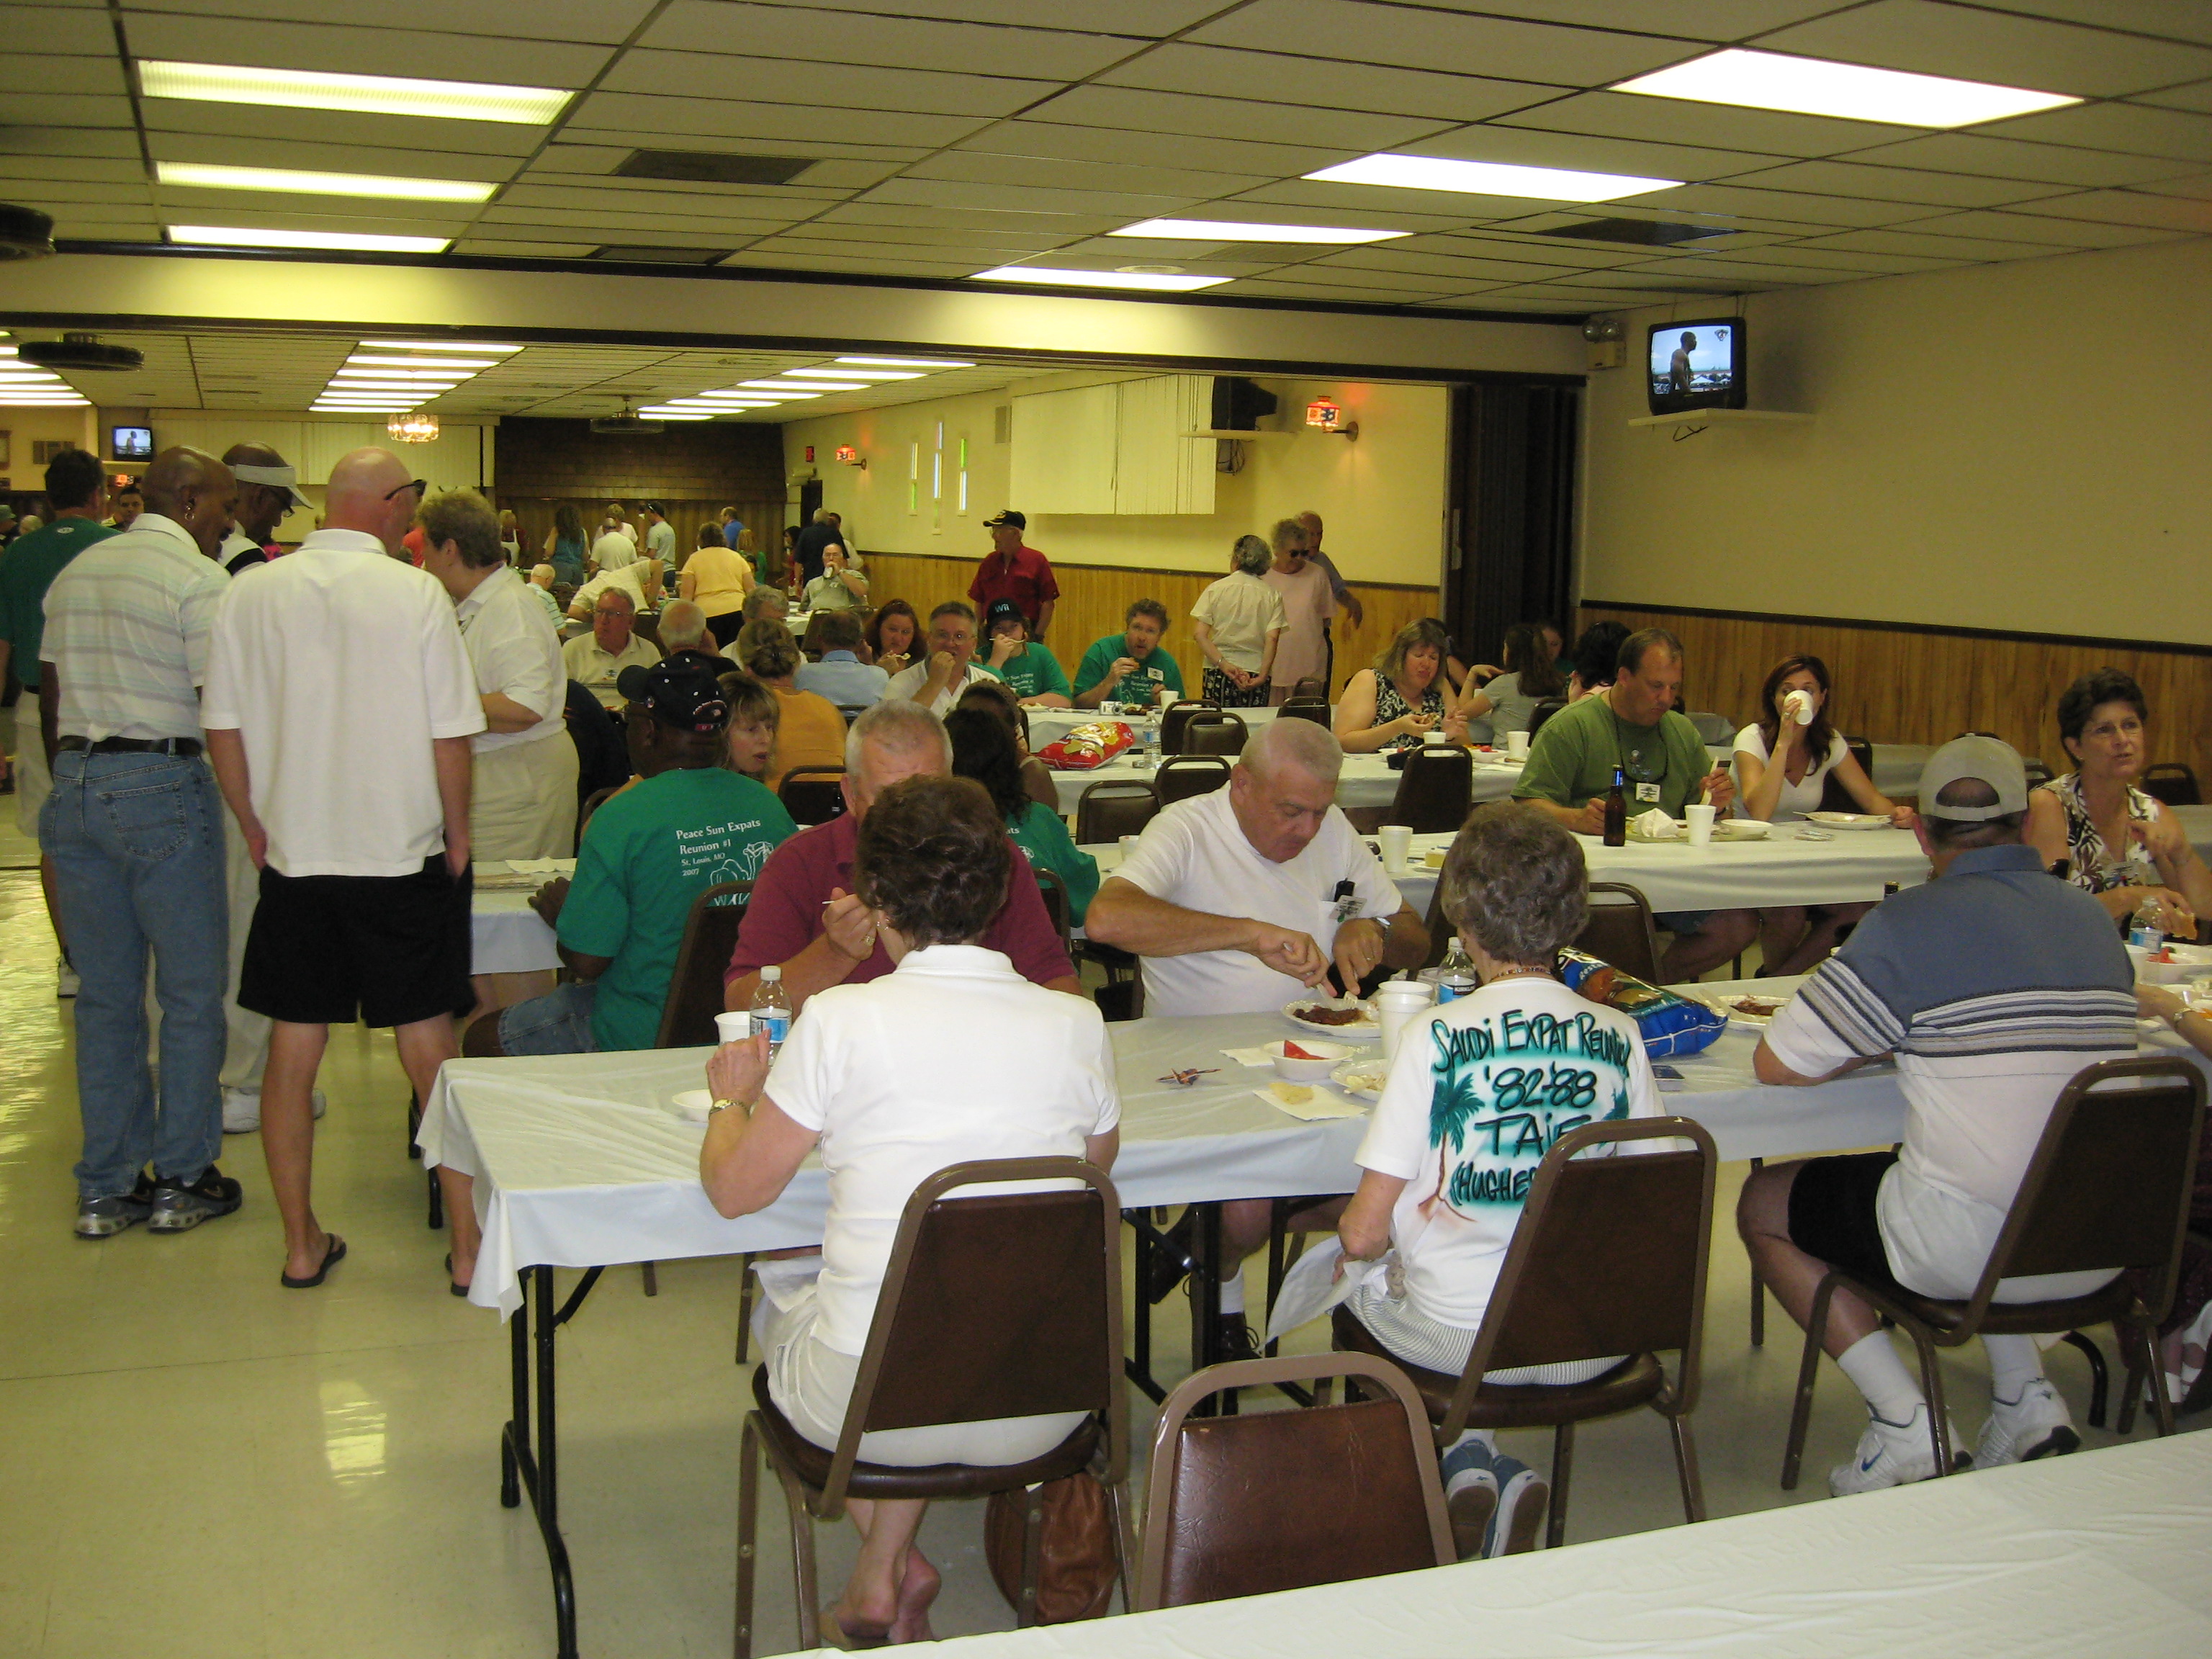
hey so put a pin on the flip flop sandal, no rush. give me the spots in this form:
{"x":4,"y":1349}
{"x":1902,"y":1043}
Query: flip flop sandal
{"x":835,"y":1635}
{"x":333,"y":1253}
{"x":457,"y":1290}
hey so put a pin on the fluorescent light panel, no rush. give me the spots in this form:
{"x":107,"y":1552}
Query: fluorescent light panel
{"x":335,"y":242}
{"x":1815,"y":86}
{"x":201,"y":176}
{"x":361,"y":94}
{"x":1050,"y":276}
{"x":366,"y":359}
{"x":1231,"y":230}
{"x":902,"y":362}
{"x":1488,"y":178}
{"x":864,"y":374}
{"x":439,"y":345}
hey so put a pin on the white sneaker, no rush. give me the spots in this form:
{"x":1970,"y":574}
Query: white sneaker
{"x":66,"y":983}
{"x":1522,"y":1497}
{"x":1891,"y":1455}
{"x":2034,"y":1425}
{"x":241,"y":1110}
{"x":1470,"y":1495}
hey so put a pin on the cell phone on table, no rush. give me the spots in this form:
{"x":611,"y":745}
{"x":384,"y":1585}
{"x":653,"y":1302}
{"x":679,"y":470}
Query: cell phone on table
{"x":1670,"y":1078}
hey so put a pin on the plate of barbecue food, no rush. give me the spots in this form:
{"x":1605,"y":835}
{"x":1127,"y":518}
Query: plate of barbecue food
{"x":1336,"y":1017}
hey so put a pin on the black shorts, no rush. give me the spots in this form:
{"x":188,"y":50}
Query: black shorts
{"x":1832,"y":1213}
{"x":390,"y":950}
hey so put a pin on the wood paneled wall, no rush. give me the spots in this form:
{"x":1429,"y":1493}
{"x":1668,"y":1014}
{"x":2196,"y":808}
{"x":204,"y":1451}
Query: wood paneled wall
{"x":1095,"y":598}
{"x":1910,"y":686}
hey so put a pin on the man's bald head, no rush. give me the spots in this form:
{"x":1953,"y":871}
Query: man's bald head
{"x":194,"y":491}
{"x":368,"y":492}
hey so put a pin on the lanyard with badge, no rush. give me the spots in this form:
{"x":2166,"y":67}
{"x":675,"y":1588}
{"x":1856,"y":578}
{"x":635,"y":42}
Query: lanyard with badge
{"x":1643,"y":780}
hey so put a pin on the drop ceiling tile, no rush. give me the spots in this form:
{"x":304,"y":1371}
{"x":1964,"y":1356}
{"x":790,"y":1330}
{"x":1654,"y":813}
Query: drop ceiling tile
{"x":806,"y":34}
{"x":265,"y":152}
{"x":604,"y":225}
{"x":607,"y":21}
{"x":500,"y":248}
{"x":86,"y":169}
{"x":192,"y":206}
{"x":648,"y":196}
{"x":867,"y":267}
{"x":2198,"y":187}
{"x":1664,"y":209}
{"x":2036,"y":224}
{"x":322,"y":126}
{"x":104,"y":143}
{"x":1229,"y":118}
{"x":1714,"y":126}
{"x":2176,"y":19}
{"x":1389,"y":209}
{"x":1150,"y":19}
{"x":740,"y":80}
{"x":51,"y":72}
{"x":1117,"y":207}
{"x":1754,"y":274}
{"x":520,"y":60}
{"x":72,"y":227}
{"x":1273,"y":289}
{"x":1048,"y":140}
{"x":2124,"y":207}
{"x":83,"y":30}
{"x":929,"y":235}
{"x":1531,"y":147}
{"x":66,"y":109}
{"x":1208,"y":71}
{"x":2197,"y":96}
{"x":580,"y":160}
{"x":1807,"y":255}
{"x":2009,"y":49}
{"x":89,"y":201}
{"x":1558,"y":254}
{"x":633,"y":119}
{"x":1881,"y":184}
{"x":2011,"y":158}
{"x":1334,"y":30}
{"x":1778,"y":205}
{"x":2133,"y":129}
{"x":1589,"y":299}
{"x":1452,"y":268}
{"x":975,"y":167}
{"x":1692,"y":20}
{"x":1059,"y":225}
{"x":1914,"y":240}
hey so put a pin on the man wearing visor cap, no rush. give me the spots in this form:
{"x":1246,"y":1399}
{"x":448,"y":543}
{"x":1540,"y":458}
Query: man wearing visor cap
{"x":268,"y":491}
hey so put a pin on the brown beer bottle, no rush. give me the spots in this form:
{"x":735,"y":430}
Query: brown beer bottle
{"x":1616,"y":812}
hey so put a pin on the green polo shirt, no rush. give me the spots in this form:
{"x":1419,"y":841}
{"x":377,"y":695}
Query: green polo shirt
{"x":1030,"y":673}
{"x":647,"y":853}
{"x":1154,"y":670}
{"x":28,"y":569}
{"x":1573,"y":757}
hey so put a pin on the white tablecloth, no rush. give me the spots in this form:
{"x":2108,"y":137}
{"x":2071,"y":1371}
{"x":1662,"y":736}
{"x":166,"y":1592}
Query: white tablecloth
{"x":1780,"y":870}
{"x":506,"y":935}
{"x":1366,"y":781}
{"x":2098,"y":1553}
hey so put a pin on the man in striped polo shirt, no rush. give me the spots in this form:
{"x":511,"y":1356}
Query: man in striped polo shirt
{"x":134,"y":826}
{"x":1992,"y":986}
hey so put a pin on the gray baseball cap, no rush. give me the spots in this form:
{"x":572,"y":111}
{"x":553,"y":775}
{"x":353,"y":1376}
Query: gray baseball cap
{"x":1987,"y":760}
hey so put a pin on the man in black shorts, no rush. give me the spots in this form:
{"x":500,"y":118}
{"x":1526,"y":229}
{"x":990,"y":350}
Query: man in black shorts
{"x":339,"y":706}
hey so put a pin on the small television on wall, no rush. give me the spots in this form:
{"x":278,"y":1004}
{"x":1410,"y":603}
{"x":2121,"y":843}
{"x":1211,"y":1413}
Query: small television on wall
{"x":1696,"y":365}
{"x":132,"y":443}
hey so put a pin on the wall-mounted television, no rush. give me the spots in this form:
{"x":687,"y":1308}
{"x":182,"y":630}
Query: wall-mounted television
{"x":131,"y":443}
{"x":1696,"y":365}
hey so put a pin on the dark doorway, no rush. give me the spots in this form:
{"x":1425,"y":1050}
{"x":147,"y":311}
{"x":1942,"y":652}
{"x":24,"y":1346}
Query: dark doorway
{"x":1512,"y":546}
{"x":810,"y":501}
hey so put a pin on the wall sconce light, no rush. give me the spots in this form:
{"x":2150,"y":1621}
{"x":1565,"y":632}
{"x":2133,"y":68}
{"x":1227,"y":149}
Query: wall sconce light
{"x":852,"y":456}
{"x":1323,"y":414}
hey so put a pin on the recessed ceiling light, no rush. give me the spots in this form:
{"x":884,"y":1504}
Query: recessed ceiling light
{"x":1231,"y":230}
{"x":15,"y":400}
{"x":861,"y":375}
{"x":367,"y":360}
{"x":783,"y":388}
{"x":363,"y":94}
{"x":334,"y":241}
{"x":28,"y":377}
{"x":1488,"y":178}
{"x":199,"y":176}
{"x":1815,"y":86}
{"x":661,"y":414}
{"x":1049,"y":276}
{"x":824,"y":386}
{"x":400,"y":376}
{"x":439,"y":345}
{"x":904,"y":362}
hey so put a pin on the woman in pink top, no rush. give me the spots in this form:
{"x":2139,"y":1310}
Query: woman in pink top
{"x":1308,"y":602}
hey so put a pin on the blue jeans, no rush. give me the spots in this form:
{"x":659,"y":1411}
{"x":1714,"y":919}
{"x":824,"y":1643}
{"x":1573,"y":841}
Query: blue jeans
{"x":136,"y":841}
{"x":558,"y":1022}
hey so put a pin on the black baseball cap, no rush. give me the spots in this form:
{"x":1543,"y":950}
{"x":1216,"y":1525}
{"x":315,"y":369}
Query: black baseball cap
{"x":1019,"y":520}
{"x":681,"y":691}
{"x":1000,"y":611}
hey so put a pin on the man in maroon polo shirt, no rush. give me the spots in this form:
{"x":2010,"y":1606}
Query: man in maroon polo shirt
{"x":1011,"y":570}
{"x":803,"y":916}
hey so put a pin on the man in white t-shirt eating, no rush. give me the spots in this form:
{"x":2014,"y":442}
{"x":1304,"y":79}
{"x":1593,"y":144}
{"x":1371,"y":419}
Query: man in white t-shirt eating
{"x":1241,"y":899}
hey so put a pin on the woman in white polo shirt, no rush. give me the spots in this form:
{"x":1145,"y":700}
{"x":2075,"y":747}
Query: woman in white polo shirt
{"x":951,"y":1057}
{"x":522,"y":797}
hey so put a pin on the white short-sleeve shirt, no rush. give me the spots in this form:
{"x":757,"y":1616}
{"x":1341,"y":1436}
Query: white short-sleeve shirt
{"x":908,"y":683}
{"x":1242,"y":611}
{"x":127,"y":627}
{"x":515,"y":652}
{"x":338,"y":665}
{"x":1803,"y":796}
{"x":951,"y":1056}
{"x":1195,"y":854}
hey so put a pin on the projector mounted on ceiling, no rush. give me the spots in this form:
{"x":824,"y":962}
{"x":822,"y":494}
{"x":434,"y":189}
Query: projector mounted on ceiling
{"x":81,"y":352}
{"x":625,"y":424}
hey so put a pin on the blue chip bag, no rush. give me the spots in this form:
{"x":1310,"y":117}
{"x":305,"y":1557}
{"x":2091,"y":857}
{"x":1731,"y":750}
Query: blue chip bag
{"x":1668,"y":1024}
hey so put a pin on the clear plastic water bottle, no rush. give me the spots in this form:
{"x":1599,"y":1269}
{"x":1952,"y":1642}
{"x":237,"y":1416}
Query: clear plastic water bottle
{"x":772,"y":1010}
{"x":1456,"y":975}
{"x":2146,"y":932}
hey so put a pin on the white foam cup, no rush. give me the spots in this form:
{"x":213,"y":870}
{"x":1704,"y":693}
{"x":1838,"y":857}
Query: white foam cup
{"x":1516,"y":743}
{"x":1396,"y":840}
{"x":734,"y":1026}
{"x":1398,"y":1004}
{"x":1129,"y":848}
{"x":1700,"y":822}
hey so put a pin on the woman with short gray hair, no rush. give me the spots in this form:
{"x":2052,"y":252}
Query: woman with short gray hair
{"x":1439,"y":1188}
{"x":1239,"y":623}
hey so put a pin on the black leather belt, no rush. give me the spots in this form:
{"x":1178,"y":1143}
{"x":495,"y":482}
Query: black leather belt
{"x":186,"y":748}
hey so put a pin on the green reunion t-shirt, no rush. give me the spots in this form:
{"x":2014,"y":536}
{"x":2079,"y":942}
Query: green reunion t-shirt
{"x":1030,"y":673}
{"x":647,"y":853}
{"x":1155,"y":669}
{"x":1042,"y":833}
{"x":1573,"y":757}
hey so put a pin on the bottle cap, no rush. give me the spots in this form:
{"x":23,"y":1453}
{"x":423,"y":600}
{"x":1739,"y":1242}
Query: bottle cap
{"x":771,"y":974}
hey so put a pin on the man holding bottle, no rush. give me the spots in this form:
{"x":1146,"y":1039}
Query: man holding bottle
{"x":1630,"y":728}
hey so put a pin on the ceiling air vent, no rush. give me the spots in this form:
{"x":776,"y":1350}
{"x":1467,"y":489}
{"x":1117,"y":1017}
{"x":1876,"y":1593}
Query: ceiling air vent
{"x":79,"y":351}
{"x":619,"y":254}
{"x":699,"y":167}
{"x":1645,"y":233}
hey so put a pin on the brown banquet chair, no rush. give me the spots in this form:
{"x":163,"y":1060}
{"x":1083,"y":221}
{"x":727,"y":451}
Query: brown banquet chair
{"x":1174,"y":720}
{"x":1620,"y":931}
{"x":1181,"y":776}
{"x":1117,"y":807}
{"x":812,"y":795}
{"x":1214,"y":732}
{"x":1435,"y":791}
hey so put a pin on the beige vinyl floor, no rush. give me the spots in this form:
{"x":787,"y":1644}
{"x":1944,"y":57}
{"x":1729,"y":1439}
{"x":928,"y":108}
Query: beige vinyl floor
{"x":196,"y":1463}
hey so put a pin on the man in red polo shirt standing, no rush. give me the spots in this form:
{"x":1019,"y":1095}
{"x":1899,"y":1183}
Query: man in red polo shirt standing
{"x":1011,"y":570}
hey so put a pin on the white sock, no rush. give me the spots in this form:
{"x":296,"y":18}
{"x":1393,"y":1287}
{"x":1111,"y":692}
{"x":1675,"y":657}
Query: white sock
{"x":1876,"y":1371}
{"x":2014,"y":1363}
{"x":1232,"y":1293}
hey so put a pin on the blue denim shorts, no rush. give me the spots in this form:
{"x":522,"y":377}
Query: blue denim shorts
{"x":558,"y":1022}
{"x":1684,"y":922}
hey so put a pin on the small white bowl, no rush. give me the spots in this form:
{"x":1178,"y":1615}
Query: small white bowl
{"x":1740,"y":829}
{"x":1327,"y":1057}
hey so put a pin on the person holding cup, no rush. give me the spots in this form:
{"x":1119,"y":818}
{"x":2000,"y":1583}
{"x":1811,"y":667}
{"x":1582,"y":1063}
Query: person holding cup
{"x":1783,"y":760}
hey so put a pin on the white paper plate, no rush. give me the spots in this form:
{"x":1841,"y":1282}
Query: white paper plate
{"x":1725,"y":1002}
{"x":1848,"y":820}
{"x":1365,"y":1029}
{"x":1367,"y":1068}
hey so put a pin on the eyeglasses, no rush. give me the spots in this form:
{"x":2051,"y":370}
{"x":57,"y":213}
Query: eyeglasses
{"x":420,"y":486}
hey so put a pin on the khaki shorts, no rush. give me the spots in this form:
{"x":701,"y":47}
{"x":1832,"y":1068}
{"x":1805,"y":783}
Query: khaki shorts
{"x":33,"y":783}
